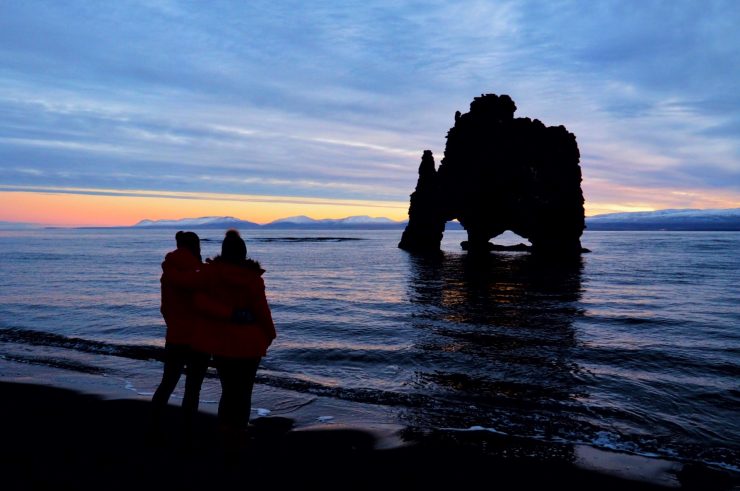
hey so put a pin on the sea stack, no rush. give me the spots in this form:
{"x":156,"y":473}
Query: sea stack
{"x":426,"y":223}
{"x":500,"y":173}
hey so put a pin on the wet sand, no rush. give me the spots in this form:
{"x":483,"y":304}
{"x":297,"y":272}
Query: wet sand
{"x":58,"y":439}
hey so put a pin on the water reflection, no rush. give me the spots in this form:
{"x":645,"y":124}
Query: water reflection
{"x":495,"y":341}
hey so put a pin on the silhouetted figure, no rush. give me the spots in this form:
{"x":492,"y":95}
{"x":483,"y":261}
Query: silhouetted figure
{"x":500,"y":173}
{"x":180,"y":280}
{"x":239,"y":336}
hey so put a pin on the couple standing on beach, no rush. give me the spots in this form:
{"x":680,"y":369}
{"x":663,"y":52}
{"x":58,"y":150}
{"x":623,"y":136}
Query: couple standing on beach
{"x":214,"y":311}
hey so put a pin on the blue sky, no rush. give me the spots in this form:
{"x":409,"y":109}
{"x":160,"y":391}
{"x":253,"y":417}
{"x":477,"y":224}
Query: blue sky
{"x":337,"y":100}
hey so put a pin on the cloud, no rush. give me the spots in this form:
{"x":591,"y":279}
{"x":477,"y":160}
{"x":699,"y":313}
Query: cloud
{"x":337,"y":101}
{"x":136,"y":193}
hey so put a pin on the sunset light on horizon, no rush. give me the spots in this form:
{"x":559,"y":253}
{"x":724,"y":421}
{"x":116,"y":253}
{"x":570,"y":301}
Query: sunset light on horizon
{"x":125,"y":209}
{"x":166,"y":110}
{"x":101,"y":208}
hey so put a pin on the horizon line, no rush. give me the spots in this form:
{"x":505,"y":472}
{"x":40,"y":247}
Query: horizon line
{"x":398,"y":222}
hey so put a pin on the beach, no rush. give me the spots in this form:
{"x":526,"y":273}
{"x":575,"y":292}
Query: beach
{"x":59,"y":438}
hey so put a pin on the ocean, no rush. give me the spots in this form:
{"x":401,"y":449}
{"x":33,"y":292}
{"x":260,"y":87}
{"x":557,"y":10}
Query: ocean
{"x":635,"y":347}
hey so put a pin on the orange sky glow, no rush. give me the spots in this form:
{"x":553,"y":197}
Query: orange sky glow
{"x":121,"y":209}
{"x":84,"y":207}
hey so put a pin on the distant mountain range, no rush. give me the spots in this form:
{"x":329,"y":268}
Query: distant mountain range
{"x":297,"y":222}
{"x":680,"y":219}
{"x":202,"y":222}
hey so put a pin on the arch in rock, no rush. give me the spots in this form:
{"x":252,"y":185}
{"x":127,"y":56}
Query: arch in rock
{"x":500,"y":173}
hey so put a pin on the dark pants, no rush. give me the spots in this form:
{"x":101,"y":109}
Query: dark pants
{"x":237,"y":381}
{"x":178,"y":357}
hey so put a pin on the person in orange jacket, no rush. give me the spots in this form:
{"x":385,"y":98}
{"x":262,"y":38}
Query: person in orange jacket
{"x":238,"y":327}
{"x":180,"y":280}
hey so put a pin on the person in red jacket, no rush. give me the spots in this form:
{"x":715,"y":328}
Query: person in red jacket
{"x":238,"y":336}
{"x":180,"y":280}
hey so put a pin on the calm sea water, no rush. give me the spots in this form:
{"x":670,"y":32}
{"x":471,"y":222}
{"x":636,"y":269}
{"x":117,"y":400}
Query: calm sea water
{"x":635,"y":347}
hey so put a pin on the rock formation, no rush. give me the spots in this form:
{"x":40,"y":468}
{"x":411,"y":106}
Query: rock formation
{"x":500,"y":173}
{"x":426,"y":226}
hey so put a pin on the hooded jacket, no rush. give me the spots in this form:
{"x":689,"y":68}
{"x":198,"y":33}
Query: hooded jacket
{"x":179,"y":280}
{"x":227,"y":287}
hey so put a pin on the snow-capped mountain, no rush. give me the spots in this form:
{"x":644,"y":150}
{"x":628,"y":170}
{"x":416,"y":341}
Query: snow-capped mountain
{"x":202,"y":222}
{"x":298,"y":220}
{"x":362,"y":221}
{"x":678,"y":219}
{"x":301,"y":221}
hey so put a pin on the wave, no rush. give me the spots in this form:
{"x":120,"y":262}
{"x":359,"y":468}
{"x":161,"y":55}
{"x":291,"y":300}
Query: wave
{"x":48,"y":361}
{"x":40,"y":338}
{"x":659,"y":360}
{"x":305,"y":239}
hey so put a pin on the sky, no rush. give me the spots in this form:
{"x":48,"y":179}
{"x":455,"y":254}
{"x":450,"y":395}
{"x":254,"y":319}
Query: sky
{"x":113,"y":112}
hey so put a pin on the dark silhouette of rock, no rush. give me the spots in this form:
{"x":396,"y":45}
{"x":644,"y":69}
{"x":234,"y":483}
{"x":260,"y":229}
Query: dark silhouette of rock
{"x":426,"y":225}
{"x":500,"y":173}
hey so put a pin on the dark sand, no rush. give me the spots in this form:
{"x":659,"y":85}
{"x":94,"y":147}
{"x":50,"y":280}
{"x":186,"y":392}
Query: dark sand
{"x":60,"y":439}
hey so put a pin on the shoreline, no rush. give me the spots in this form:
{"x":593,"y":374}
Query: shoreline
{"x":65,"y":429}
